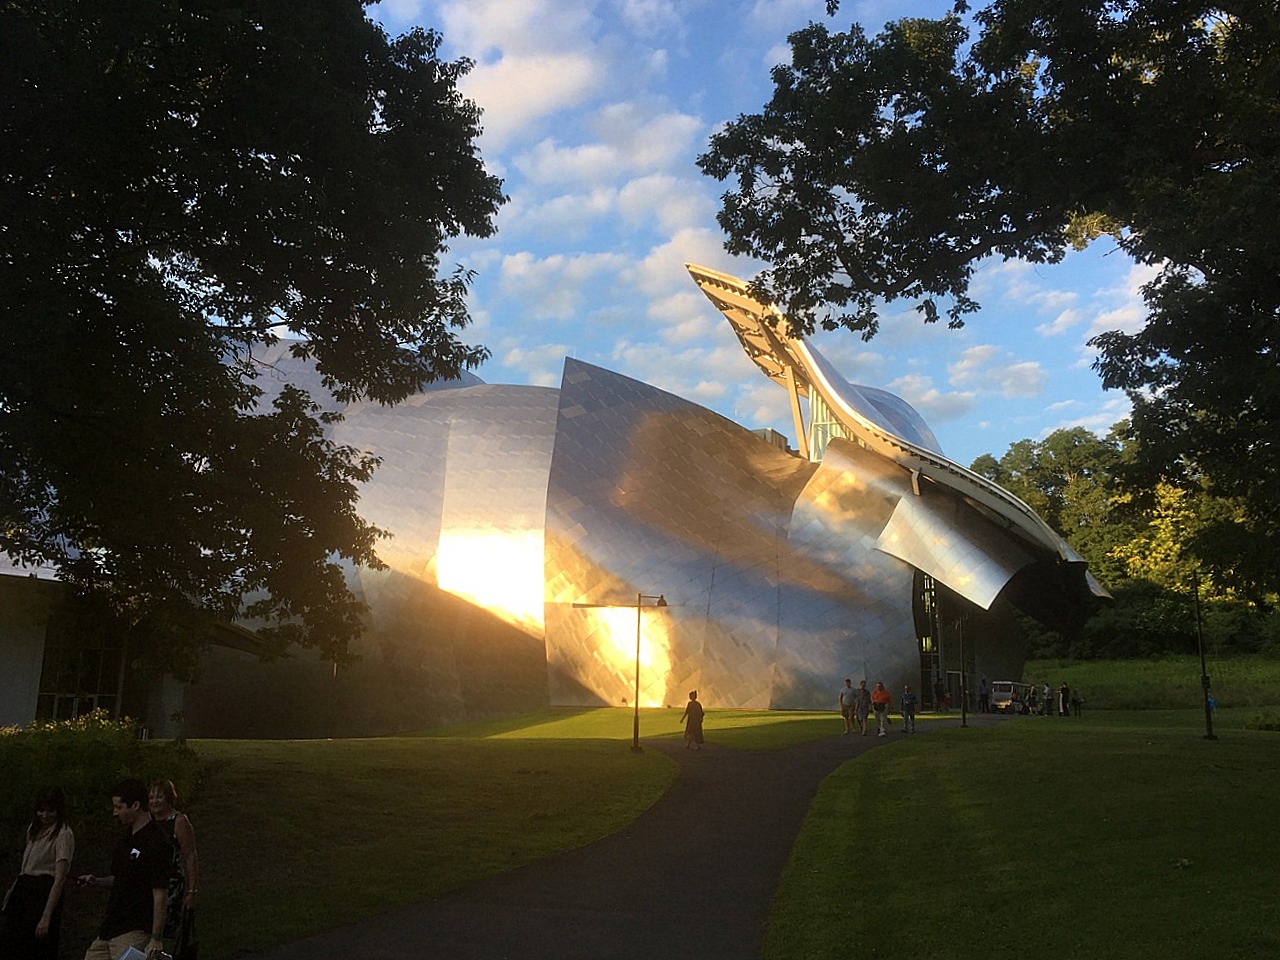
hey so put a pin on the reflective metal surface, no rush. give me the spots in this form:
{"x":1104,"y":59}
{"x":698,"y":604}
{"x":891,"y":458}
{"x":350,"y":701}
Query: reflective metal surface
{"x":525,"y":521}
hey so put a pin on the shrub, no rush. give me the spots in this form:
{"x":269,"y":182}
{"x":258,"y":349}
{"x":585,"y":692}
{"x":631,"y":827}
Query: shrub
{"x":85,"y":756}
{"x":1264,"y":720}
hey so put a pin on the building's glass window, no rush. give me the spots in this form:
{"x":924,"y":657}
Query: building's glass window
{"x":81,"y":671}
{"x":823,"y":427}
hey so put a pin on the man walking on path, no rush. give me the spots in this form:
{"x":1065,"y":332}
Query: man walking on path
{"x":847,"y":705}
{"x":984,"y":696}
{"x":139,"y":880}
{"x":861,"y":706}
{"x":908,"y":709}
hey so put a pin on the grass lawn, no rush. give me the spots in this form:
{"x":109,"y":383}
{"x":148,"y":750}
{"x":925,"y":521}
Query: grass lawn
{"x":1117,"y":835}
{"x":1171,"y":682}
{"x":1121,"y":834}
{"x":301,"y":836}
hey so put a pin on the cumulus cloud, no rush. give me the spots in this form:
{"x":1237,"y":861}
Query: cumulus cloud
{"x":662,"y":271}
{"x":653,"y":19}
{"x":1061,"y":323}
{"x":541,"y":364}
{"x":993,"y":369}
{"x":1128,"y":312}
{"x":555,"y":287}
{"x":632,"y":139}
{"x":516,"y":91}
{"x":936,"y":406}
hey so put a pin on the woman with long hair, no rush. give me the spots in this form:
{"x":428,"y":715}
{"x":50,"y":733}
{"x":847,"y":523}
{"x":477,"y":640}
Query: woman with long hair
{"x":32,"y":912}
{"x":163,"y":799}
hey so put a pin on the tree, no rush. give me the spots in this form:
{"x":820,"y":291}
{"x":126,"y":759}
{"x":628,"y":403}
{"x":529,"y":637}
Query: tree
{"x":888,"y":168}
{"x":1154,"y":544}
{"x":183,"y":183}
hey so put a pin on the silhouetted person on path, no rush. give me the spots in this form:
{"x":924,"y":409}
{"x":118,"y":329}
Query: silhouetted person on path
{"x":692,"y":719}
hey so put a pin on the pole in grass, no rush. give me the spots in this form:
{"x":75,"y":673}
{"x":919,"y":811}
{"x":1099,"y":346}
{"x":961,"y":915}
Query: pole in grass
{"x":1204,"y":671}
{"x":658,"y":600}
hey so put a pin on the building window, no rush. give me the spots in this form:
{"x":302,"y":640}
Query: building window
{"x":82,"y":670}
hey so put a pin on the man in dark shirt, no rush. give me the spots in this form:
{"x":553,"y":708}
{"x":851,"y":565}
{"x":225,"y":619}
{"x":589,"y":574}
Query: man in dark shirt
{"x":139,"y":880}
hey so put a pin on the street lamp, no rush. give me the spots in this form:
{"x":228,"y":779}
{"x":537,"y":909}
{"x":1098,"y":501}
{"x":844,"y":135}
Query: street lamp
{"x":1204,"y":671}
{"x":641,"y":598}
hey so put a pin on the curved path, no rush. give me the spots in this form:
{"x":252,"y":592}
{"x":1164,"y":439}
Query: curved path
{"x":693,"y":875}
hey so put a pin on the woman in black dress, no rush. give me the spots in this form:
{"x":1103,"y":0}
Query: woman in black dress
{"x":692,"y":718}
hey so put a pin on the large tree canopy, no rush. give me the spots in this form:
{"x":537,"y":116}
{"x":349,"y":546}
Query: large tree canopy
{"x":182,"y":182}
{"x":889,"y":167}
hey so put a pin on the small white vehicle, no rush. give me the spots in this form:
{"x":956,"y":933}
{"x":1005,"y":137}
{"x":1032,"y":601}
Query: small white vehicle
{"x":1009,"y":696}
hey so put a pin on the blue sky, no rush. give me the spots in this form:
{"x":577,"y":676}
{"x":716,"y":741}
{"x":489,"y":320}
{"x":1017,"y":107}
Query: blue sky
{"x":594,"y":113}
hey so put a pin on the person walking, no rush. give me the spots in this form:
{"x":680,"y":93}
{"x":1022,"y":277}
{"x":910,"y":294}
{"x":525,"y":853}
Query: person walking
{"x":1076,"y":702}
{"x":139,"y":880}
{"x":984,"y":696}
{"x":861,"y":706}
{"x":31,"y":912}
{"x":847,"y":705}
{"x":880,"y":700}
{"x":908,"y":704}
{"x":184,"y":880}
{"x":692,"y":719}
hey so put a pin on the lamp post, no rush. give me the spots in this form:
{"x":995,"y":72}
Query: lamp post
{"x":658,"y":601}
{"x":1204,"y":671}
{"x":964,"y":678}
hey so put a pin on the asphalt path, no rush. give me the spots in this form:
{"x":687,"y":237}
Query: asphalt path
{"x":694,"y":875}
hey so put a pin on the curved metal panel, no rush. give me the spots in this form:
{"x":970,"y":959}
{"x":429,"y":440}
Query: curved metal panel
{"x":881,"y":427}
{"x":650,"y":494}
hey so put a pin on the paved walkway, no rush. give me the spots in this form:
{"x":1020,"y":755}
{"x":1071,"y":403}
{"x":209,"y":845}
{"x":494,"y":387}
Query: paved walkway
{"x":694,"y":875}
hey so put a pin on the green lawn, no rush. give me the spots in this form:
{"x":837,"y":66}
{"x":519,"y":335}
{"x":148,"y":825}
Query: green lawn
{"x":1121,"y":834}
{"x":297,"y":837}
{"x":1171,"y":682}
{"x":1108,"y":836}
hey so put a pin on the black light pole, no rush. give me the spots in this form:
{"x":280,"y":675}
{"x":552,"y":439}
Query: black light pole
{"x":1204,"y":671}
{"x":658,"y":601}
{"x":964,"y":685}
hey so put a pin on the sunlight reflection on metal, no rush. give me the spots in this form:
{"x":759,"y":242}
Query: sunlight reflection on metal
{"x":500,"y":571}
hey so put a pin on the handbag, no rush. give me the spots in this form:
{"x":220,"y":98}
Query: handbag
{"x":186,"y":947}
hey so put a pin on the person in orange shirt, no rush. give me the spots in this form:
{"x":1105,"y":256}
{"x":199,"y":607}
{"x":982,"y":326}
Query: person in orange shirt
{"x":880,"y":700}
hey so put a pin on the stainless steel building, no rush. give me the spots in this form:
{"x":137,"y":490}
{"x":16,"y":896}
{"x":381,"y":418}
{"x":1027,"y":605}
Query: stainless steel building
{"x":533,"y":529}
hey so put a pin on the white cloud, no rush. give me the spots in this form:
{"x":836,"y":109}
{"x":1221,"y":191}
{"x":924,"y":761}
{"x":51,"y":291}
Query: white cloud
{"x":632,"y":140}
{"x":541,"y":363}
{"x":485,"y":27}
{"x":672,"y":202}
{"x":1061,"y":323}
{"x":516,"y":92}
{"x":555,"y":287}
{"x":684,"y":318}
{"x":993,"y":370}
{"x":654,"y":19}
{"x":933,"y":404}
{"x":1128,"y":311}
{"x":662,"y":271}
{"x":1023,"y":379}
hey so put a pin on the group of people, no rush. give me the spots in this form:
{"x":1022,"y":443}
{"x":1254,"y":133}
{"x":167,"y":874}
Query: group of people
{"x":858,"y":703}
{"x":153,"y":881}
{"x":1061,"y":700}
